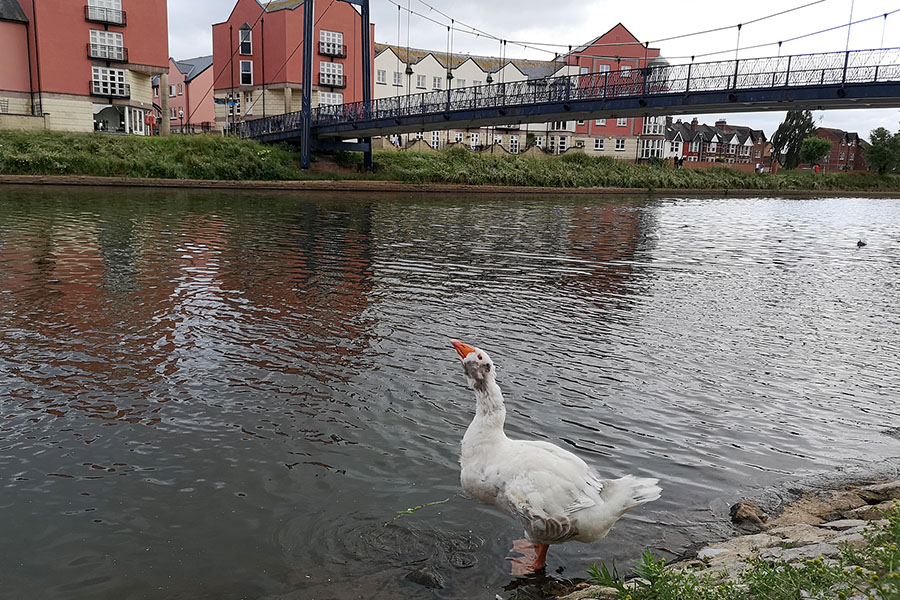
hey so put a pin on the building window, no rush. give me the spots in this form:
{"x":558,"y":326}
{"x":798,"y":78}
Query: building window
{"x":381,"y":76}
{"x":436,"y":140}
{"x":600,"y":122}
{"x":331,"y":98}
{"x":458,"y":137}
{"x":331,"y":73}
{"x":711,"y":147}
{"x":695,"y":146}
{"x":106,"y":10}
{"x":173,"y":112}
{"x":246,"y":72}
{"x":598,"y":144}
{"x":539,"y":141}
{"x":156,"y":92}
{"x":181,"y":89}
{"x":745,"y":150}
{"x":476,"y":82}
{"x":675,"y":148}
{"x":246,"y":40}
{"x":622,"y":122}
{"x":514,"y":144}
{"x":437,"y":83}
{"x":476,"y":139}
{"x":331,"y":43}
{"x":172,"y":91}
{"x":420,"y":82}
{"x":651,"y":148}
{"x":653,"y":125}
{"x":552,"y":144}
{"x":580,"y":122}
{"x":842,"y":155}
{"x":620,"y":145}
{"x":460,"y":83}
{"x":398,"y":78}
{"x":248,"y":102}
{"x":851,"y":156}
{"x":234,"y":105}
{"x":420,"y":135}
{"x":107,"y":44}
{"x":692,"y":159}
{"x":559,"y":124}
{"x":626,"y":71}
{"x":109,"y":82}
{"x":603,"y":69}
{"x":563,"y":143}
{"x":758,"y":154}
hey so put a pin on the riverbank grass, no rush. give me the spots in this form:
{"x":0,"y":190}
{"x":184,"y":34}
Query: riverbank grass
{"x":173,"y":157}
{"x":871,"y":572}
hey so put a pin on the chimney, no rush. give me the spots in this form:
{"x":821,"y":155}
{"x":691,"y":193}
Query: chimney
{"x":678,"y":120}
{"x":721,"y":124}
{"x":668,"y":121}
{"x":694,"y":124}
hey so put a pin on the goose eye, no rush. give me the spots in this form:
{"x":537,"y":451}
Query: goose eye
{"x":480,"y":357}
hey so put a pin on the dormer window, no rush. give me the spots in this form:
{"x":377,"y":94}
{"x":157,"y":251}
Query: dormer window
{"x":246,"y":40}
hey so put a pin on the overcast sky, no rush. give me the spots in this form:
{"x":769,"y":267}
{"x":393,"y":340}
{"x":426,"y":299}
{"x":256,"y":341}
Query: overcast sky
{"x":578,"y":21}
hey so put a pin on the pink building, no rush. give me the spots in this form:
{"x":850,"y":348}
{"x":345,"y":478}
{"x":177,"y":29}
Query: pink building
{"x":619,"y":53}
{"x":258,"y":58}
{"x":81,"y":65}
{"x":190,"y":94}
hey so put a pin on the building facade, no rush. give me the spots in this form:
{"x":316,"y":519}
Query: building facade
{"x":191,"y":105}
{"x":81,"y":65}
{"x":258,"y":58}
{"x":402,"y":71}
{"x":721,"y":143}
{"x":847,"y":150}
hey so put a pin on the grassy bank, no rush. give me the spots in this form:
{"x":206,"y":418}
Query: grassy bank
{"x":220,"y":158}
{"x":174,"y":157}
{"x":580,"y":170}
{"x":871,"y":572}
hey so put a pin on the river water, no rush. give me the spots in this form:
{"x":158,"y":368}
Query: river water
{"x":232,"y":395}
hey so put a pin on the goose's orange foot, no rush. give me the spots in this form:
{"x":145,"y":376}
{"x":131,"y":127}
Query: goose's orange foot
{"x":533,"y":559}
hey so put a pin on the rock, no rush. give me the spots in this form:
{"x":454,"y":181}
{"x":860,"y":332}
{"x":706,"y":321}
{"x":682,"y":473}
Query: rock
{"x":426,"y":576}
{"x":854,"y":539}
{"x":814,"y":510}
{"x":748,"y":516}
{"x":871,"y":511}
{"x":711,"y":552}
{"x":880,"y":491}
{"x":802,"y":534}
{"x":808,"y":552}
{"x":844,"y":524}
{"x":735,"y":549}
{"x":594,"y":591}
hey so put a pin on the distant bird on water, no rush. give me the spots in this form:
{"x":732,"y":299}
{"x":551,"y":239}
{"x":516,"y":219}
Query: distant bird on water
{"x":860,"y":244}
{"x":554,"y":494}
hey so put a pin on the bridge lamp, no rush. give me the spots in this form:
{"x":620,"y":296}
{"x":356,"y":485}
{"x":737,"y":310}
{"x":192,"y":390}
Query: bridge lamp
{"x":489,"y":79}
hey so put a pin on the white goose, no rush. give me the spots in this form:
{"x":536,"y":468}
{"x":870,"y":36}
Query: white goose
{"x":554,"y":494}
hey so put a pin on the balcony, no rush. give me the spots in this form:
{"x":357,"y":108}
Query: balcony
{"x":110,"y":53}
{"x":110,"y":90}
{"x":331,"y":49}
{"x":331,"y":80}
{"x":108,"y":16}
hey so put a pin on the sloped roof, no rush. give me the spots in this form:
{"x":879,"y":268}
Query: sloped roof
{"x":10,"y":10}
{"x":192,"y":67}
{"x":489,"y":64}
{"x":279,"y":5}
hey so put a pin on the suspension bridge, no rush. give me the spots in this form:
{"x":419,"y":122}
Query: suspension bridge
{"x":831,"y":80}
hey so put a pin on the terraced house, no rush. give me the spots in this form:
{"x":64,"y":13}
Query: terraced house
{"x":402,"y":72}
{"x":81,"y":65}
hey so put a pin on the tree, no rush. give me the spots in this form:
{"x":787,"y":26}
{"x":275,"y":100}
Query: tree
{"x":884,"y":154}
{"x":813,"y":149}
{"x":797,"y":126}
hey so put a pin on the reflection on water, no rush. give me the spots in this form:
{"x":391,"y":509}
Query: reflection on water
{"x":210,"y":395}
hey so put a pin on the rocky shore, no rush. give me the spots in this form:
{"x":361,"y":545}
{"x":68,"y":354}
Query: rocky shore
{"x":817,"y":526}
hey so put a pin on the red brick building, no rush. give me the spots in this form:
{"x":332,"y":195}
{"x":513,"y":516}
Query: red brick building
{"x":81,"y":65}
{"x":258,"y":58}
{"x":847,"y":150}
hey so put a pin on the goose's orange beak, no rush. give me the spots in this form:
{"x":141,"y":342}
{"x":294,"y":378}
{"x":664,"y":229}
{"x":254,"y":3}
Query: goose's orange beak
{"x":462,"y":349}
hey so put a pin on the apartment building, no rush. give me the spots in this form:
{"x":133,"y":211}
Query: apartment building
{"x":847,"y":150}
{"x":191,"y":105}
{"x":81,"y":65}
{"x":258,"y":58}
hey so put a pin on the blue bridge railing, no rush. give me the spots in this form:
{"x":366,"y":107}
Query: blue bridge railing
{"x":802,"y":70}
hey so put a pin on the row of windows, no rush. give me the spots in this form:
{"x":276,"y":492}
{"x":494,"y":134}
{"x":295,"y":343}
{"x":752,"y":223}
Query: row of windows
{"x":330,"y":41}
